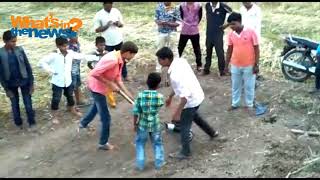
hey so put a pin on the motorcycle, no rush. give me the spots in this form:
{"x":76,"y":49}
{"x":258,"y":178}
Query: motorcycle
{"x":299,"y":58}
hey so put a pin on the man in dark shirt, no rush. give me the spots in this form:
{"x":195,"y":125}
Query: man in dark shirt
{"x":15,"y":73}
{"x":216,"y":16}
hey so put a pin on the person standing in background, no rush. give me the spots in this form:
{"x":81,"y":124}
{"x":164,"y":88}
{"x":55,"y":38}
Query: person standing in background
{"x":59,"y":65}
{"x":74,"y":45}
{"x":16,"y":73}
{"x":252,"y":17}
{"x":108,"y":21}
{"x":166,"y":16}
{"x":191,"y":14}
{"x":216,"y":16}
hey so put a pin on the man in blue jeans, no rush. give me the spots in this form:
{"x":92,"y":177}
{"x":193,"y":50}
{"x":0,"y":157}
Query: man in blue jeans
{"x":146,"y":109}
{"x":107,"y":75}
{"x":187,"y":87}
{"x":243,"y":54}
{"x":15,"y":73}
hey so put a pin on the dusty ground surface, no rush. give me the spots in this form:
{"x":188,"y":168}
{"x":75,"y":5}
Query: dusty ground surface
{"x":247,"y":146}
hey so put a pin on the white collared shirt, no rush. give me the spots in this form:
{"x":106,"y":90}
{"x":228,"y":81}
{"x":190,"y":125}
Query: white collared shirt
{"x":96,"y":55}
{"x":216,"y":7}
{"x":60,"y":66}
{"x":185,"y":83}
{"x":113,"y":34}
{"x":252,"y":18}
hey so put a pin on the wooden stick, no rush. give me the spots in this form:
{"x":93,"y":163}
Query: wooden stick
{"x":312,"y":161}
{"x":126,"y":97}
{"x":297,"y":131}
{"x":310,"y":133}
{"x":306,"y":164}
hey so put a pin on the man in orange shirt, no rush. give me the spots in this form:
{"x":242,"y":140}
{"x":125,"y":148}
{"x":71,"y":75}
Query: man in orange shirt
{"x":107,"y":74}
{"x":243,"y":51}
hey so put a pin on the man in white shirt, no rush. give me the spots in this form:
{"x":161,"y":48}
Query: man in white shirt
{"x":59,"y":64}
{"x":252,"y":17}
{"x":108,"y":22}
{"x":187,"y":87}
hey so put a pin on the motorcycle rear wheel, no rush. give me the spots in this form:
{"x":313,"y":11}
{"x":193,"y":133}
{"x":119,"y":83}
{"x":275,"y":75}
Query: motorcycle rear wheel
{"x":291,"y":73}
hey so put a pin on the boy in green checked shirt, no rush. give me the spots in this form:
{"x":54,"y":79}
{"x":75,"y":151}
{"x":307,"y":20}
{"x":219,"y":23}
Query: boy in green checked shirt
{"x":146,"y":108}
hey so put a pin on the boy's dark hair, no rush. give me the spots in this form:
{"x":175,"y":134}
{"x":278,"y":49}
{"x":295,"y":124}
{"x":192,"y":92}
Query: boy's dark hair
{"x":73,"y":34}
{"x":129,"y":46}
{"x":153,"y":80}
{"x":234,"y":17}
{"x":165,"y":52}
{"x":107,"y":2}
{"x":61,"y":41}
{"x":100,"y":39}
{"x":7,"y":36}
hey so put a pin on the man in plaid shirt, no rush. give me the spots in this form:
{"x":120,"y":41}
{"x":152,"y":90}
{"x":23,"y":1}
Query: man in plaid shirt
{"x":146,"y":108}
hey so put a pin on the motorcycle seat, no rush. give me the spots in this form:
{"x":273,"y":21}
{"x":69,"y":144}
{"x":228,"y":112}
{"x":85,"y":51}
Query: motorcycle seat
{"x":311,"y":44}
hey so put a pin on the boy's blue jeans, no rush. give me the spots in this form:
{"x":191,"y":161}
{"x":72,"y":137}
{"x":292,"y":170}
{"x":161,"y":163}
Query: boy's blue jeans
{"x":156,"y":139}
{"x":242,"y":76}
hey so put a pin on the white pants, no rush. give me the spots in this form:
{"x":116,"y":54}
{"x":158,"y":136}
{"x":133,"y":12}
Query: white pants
{"x":167,"y":40}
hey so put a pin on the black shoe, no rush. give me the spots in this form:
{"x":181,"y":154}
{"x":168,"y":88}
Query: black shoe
{"x":105,"y":147}
{"x":205,"y":72}
{"x":199,"y":69}
{"x":32,"y":128}
{"x":232,"y":108}
{"x":19,"y":127}
{"x":216,"y":134}
{"x":178,"y":155}
{"x":222,"y":74}
{"x":259,"y":78}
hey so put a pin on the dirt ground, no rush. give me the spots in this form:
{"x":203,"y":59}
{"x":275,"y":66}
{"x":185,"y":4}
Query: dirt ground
{"x":247,"y":146}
